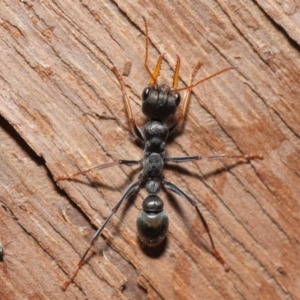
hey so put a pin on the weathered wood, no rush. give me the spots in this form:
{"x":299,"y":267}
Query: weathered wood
{"x":62,"y":111}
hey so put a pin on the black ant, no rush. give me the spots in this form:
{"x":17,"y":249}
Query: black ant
{"x":2,"y":255}
{"x":2,"y":259}
{"x":160,"y":103}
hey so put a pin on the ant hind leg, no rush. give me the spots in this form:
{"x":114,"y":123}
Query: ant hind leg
{"x":175,"y":189}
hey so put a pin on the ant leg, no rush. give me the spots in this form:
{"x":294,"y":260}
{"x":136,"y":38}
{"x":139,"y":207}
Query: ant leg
{"x":136,"y":129}
{"x":215,"y":156}
{"x":187,"y":96}
{"x":173,"y":188}
{"x":99,"y":167}
{"x":130,"y":191}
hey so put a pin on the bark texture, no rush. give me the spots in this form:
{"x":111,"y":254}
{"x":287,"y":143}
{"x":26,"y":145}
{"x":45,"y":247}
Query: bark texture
{"x":62,"y":111}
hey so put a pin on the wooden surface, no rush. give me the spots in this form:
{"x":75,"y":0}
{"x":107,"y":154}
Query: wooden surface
{"x":62,"y":111}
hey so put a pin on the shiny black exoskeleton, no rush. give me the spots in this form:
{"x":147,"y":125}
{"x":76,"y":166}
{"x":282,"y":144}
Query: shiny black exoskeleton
{"x":158,"y":104}
{"x":1,"y":254}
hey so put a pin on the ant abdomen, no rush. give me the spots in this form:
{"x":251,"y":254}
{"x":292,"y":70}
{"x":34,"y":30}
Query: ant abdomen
{"x":152,"y":222}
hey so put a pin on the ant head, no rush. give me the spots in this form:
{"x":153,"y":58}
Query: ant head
{"x":159,"y":102}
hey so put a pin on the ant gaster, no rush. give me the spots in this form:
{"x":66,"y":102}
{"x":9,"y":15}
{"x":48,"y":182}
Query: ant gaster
{"x":160,"y":103}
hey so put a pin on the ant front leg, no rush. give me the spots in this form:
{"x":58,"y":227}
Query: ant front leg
{"x":187,"y":96}
{"x":136,"y":129}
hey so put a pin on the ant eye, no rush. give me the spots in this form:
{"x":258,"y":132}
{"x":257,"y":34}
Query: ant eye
{"x":145,"y":94}
{"x":177,"y":99}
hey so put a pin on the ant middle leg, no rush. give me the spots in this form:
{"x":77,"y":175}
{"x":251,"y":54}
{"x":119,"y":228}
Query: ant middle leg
{"x":99,"y":167}
{"x":215,"y":156}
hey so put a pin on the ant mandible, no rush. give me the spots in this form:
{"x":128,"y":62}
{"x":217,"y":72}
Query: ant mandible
{"x":159,"y":104}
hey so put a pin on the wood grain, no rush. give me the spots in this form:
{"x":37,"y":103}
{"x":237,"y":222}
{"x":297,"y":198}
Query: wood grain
{"x":62,"y":111}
